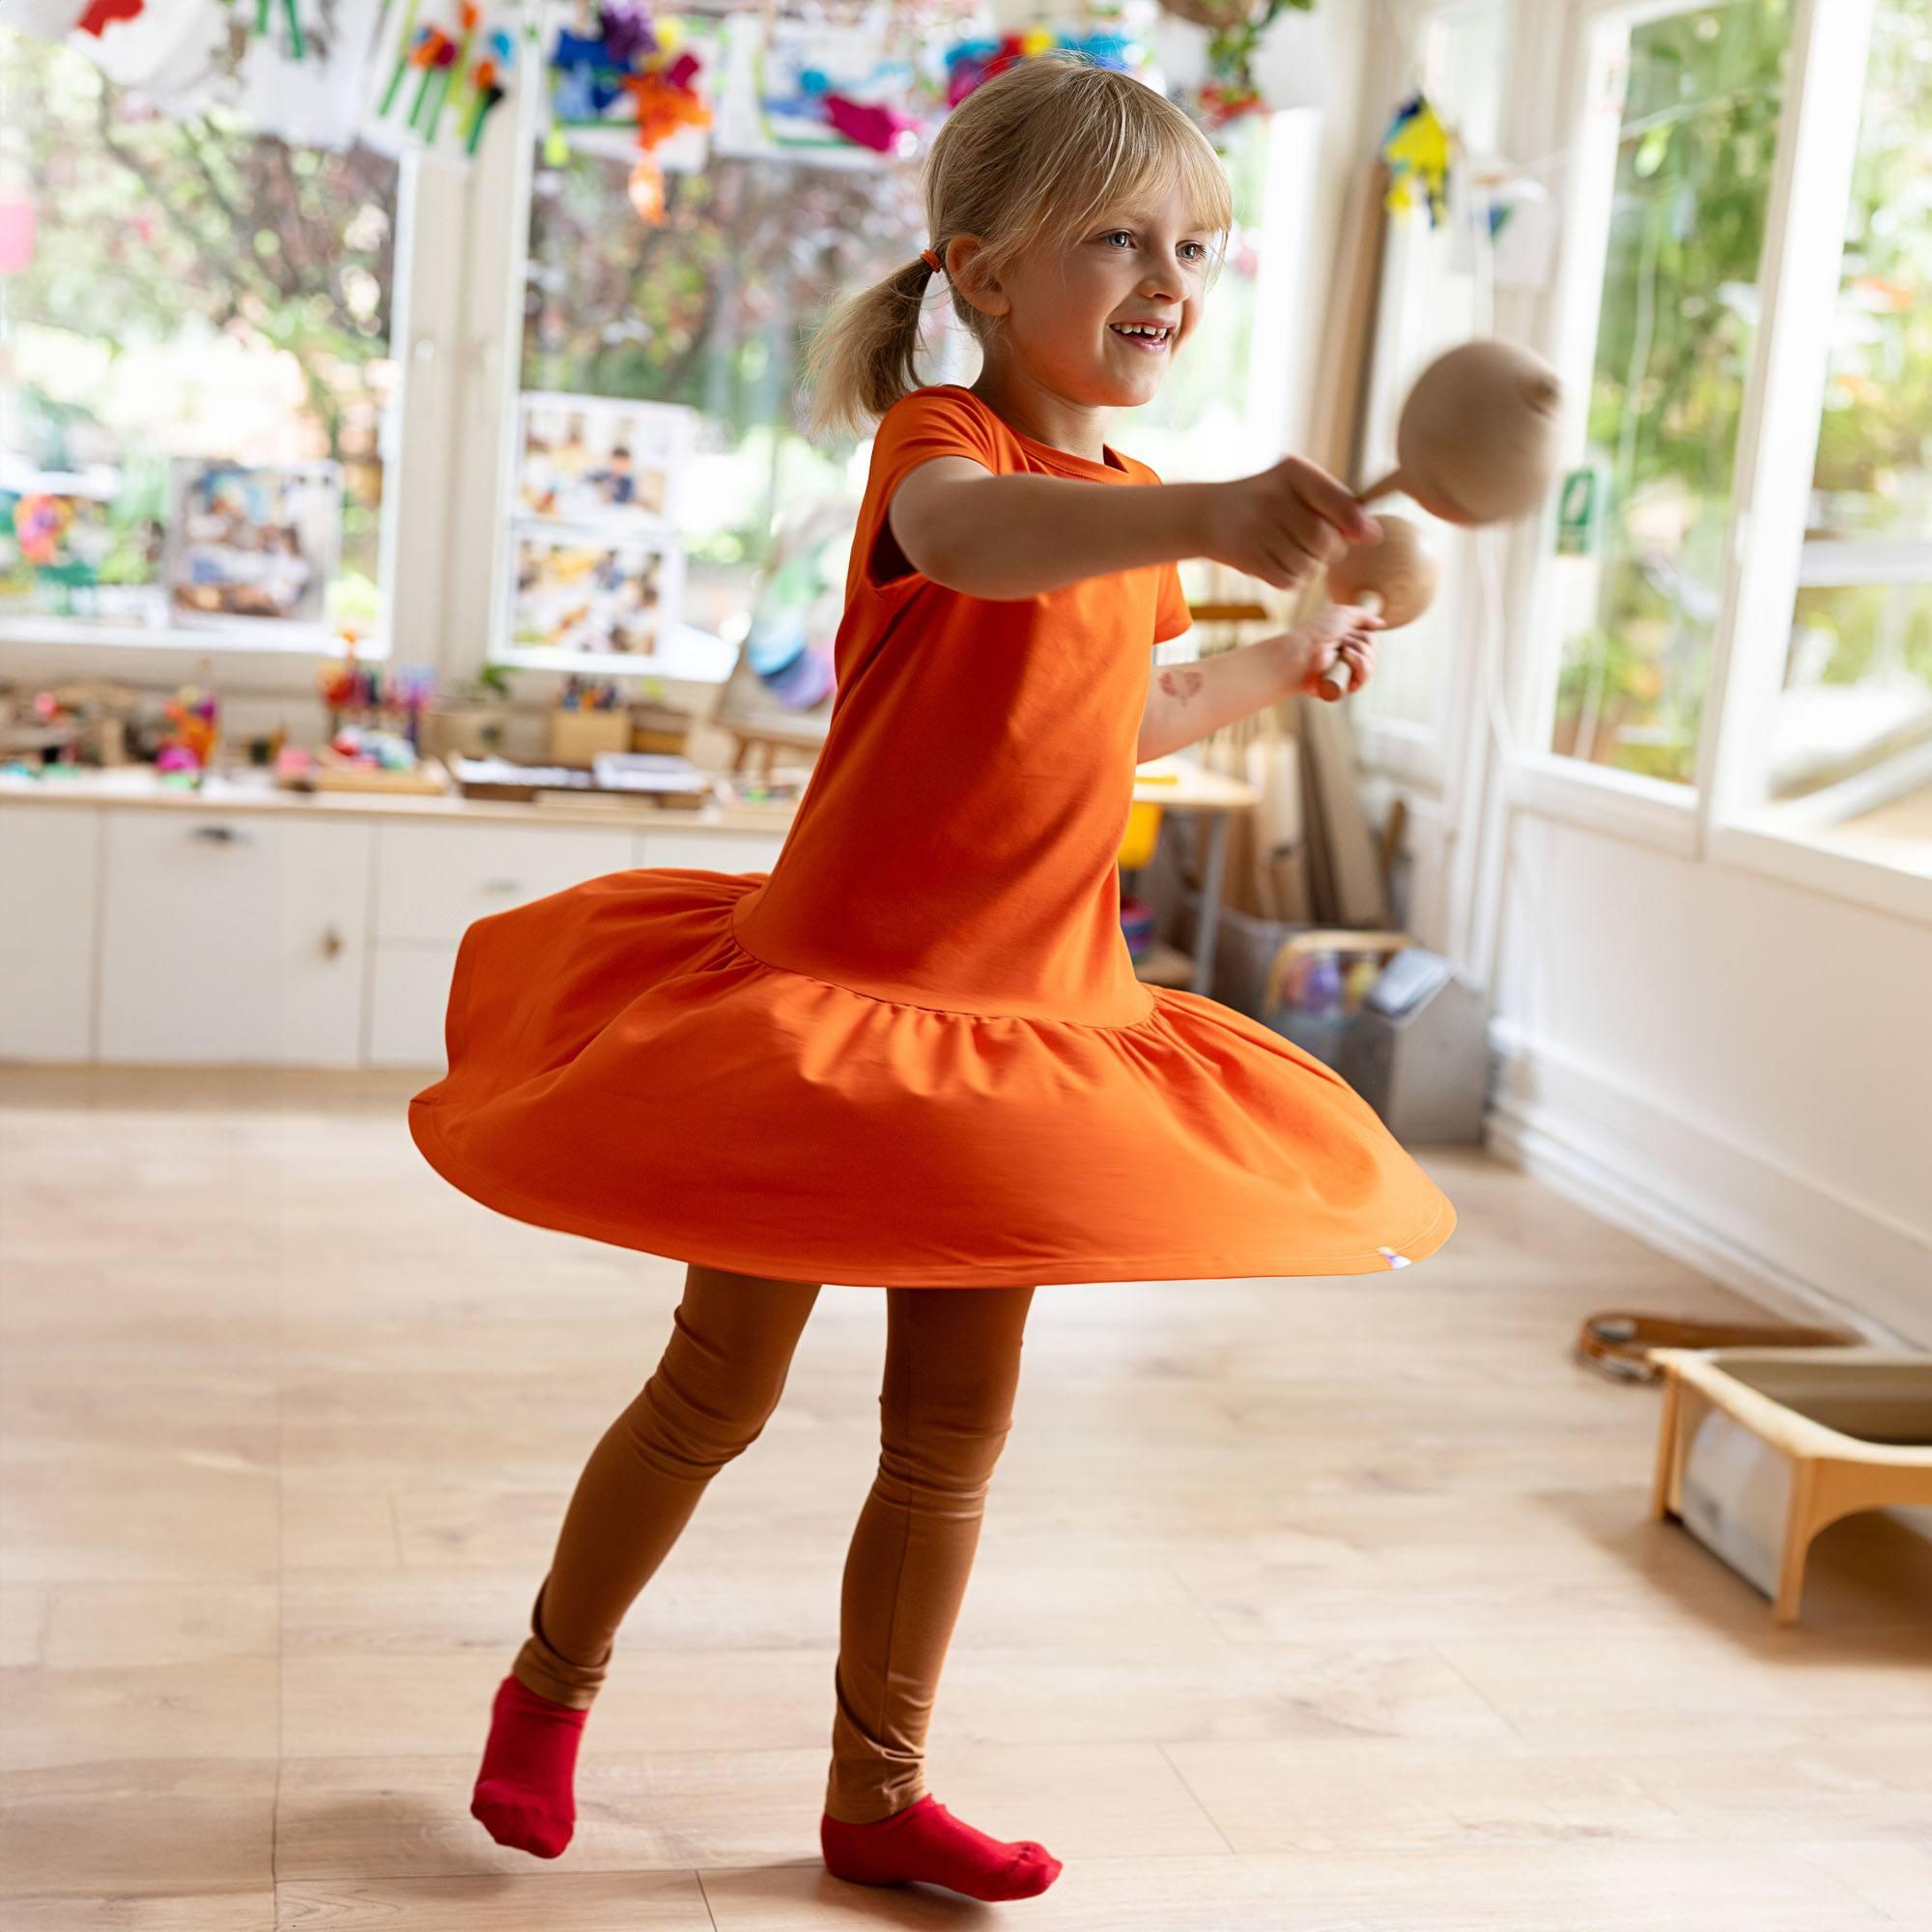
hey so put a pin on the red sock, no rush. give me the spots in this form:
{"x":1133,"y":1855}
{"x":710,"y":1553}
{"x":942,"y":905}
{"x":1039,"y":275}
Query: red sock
{"x":523,"y":1795}
{"x":927,"y":1841}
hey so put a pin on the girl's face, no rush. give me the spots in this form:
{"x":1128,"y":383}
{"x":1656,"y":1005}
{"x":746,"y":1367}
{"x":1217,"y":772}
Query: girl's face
{"x":1098,"y":318}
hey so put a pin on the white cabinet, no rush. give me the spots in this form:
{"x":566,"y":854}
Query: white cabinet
{"x":49,"y":886}
{"x":432,"y":880}
{"x":409,"y":998}
{"x":232,"y":936}
{"x":708,"y":851}
{"x":173,"y":934}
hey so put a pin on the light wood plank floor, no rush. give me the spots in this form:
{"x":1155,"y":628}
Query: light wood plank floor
{"x":1302,"y":1607}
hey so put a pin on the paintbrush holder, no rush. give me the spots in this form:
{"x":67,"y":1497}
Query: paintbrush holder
{"x":576,"y":737}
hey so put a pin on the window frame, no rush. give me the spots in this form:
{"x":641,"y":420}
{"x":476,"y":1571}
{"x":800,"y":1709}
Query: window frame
{"x":1424,"y":756}
{"x":413,"y":444}
{"x":1811,"y":188}
{"x":1719,"y":816}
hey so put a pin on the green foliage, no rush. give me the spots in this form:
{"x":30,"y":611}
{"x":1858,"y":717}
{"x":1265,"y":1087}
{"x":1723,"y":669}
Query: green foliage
{"x":152,"y":227}
{"x":1673,"y":351}
{"x":1675,"y":346}
{"x":712,"y":309}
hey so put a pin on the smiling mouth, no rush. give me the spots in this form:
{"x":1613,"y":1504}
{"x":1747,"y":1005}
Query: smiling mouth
{"x":1151,"y":338}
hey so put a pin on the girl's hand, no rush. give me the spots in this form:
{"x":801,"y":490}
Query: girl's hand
{"x":1285,"y":523}
{"x":1343,"y":633}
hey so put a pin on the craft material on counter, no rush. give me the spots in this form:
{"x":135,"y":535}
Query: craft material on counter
{"x":329,"y":769}
{"x":670,"y":783}
{"x":655,"y":772}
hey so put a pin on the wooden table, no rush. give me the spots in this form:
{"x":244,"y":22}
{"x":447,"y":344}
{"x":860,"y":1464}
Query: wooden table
{"x":1179,"y":784}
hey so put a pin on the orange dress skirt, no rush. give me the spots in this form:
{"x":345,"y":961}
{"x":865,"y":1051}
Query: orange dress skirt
{"x":915,"y":1053}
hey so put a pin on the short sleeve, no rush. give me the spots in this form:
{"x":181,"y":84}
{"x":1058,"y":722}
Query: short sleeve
{"x":916,"y":429}
{"x":1170,"y":615}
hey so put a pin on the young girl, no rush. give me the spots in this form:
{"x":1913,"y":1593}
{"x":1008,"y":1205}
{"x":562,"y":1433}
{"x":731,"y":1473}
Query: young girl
{"x":916,"y":1054}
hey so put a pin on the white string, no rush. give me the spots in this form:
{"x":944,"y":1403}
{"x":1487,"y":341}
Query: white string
{"x":1560,"y":157}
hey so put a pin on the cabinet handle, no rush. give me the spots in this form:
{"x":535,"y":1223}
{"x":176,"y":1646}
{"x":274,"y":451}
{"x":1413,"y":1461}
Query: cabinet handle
{"x":221,"y":835}
{"x":331,"y":942}
{"x":502,"y":885}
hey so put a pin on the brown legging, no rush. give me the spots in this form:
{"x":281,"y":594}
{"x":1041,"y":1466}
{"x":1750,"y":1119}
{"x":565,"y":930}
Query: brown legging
{"x":952,"y":1358}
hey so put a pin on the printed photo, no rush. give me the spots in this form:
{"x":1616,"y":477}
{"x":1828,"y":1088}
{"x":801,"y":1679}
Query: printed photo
{"x":588,"y":461}
{"x":579,"y":595}
{"x":252,"y":540}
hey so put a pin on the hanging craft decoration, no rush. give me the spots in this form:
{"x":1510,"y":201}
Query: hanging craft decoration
{"x":1418,"y":149}
{"x":55,"y":19}
{"x":296,"y":69}
{"x":1236,"y":30}
{"x":102,"y":12}
{"x":636,"y":69}
{"x":971,"y":64}
{"x":827,"y":88}
{"x":461,"y":63}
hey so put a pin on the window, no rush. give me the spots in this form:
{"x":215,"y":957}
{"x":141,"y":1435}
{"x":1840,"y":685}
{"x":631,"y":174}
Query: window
{"x":1851,"y":736}
{"x":194,"y":329}
{"x":711,"y":313}
{"x":1689,"y":103}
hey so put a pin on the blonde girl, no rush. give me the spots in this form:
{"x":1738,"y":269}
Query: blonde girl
{"x":915,"y":1055}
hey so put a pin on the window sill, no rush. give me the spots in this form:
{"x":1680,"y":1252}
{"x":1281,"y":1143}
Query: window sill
{"x":271,"y":638}
{"x":1644,"y":812}
{"x":1893,"y":876}
{"x":30,"y":653}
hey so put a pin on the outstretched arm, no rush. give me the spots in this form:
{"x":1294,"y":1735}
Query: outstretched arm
{"x":1019,"y":535}
{"x":1187,"y":702}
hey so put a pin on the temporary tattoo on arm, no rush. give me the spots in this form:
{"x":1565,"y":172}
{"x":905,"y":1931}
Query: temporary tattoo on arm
{"x":1180,"y":685}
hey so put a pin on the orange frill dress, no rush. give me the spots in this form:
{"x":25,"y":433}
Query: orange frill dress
{"x":915,"y":1053}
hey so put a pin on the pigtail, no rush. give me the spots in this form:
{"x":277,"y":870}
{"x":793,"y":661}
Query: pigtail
{"x":864,"y":355}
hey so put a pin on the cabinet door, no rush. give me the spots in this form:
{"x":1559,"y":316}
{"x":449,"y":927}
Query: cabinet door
{"x":709,"y":851}
{"x":432,"y":880}
{"x":232,"y":937}
{"x":49,"y":872}
{"x":408,"y":1003}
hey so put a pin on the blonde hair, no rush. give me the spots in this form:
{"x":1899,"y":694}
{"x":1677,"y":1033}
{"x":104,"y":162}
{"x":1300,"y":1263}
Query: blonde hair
{"x":1030,"y":156}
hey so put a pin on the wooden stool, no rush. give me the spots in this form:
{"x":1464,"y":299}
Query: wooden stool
{"x":1854,"y":1424}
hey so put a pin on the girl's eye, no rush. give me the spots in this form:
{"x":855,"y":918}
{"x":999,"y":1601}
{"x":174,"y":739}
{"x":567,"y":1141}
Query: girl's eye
{"x":1194,"y":251}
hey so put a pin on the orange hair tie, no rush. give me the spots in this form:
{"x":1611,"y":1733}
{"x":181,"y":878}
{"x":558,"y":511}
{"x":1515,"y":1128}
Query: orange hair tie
{"x":932,"y":261}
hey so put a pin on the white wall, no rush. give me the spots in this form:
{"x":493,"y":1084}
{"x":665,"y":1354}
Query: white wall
{"x":1737,"y":1067}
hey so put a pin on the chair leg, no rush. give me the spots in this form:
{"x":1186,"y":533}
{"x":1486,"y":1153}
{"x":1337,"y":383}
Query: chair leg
{"x":1799,"y":1528}
{"x":1666,"y":1448}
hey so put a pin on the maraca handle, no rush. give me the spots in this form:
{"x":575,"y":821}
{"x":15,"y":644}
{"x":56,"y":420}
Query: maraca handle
{"x":1335,"y":679}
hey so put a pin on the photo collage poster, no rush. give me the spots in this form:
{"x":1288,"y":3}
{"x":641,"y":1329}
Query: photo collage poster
{"x":251,"y":541}
{"x":596,"y":567}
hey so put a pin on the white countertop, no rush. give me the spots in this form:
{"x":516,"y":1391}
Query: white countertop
{"x":252,"y":788}
{"x":1171,"y":781}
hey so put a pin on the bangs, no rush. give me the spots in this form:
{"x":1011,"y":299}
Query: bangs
{"x":1144,"y":150}
{"x":1195,"y":175}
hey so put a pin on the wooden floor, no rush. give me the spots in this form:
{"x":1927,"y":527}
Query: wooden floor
{"x":1300,"y":1604}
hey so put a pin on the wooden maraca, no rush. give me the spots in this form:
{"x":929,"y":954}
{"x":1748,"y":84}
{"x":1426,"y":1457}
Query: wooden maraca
{"x":1393,"y":578}
{"x":1477,"y":444}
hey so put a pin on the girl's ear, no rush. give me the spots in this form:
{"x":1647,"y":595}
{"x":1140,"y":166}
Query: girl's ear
{"x":965,"y":268}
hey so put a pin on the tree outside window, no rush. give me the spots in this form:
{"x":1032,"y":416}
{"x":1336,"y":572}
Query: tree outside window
{"x":1696,"y":145}
{"x":192,"y":289}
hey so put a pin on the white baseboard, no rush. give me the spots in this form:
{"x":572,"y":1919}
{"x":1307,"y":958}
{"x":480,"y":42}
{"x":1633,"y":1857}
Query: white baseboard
{"x":1795,"y":1247}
